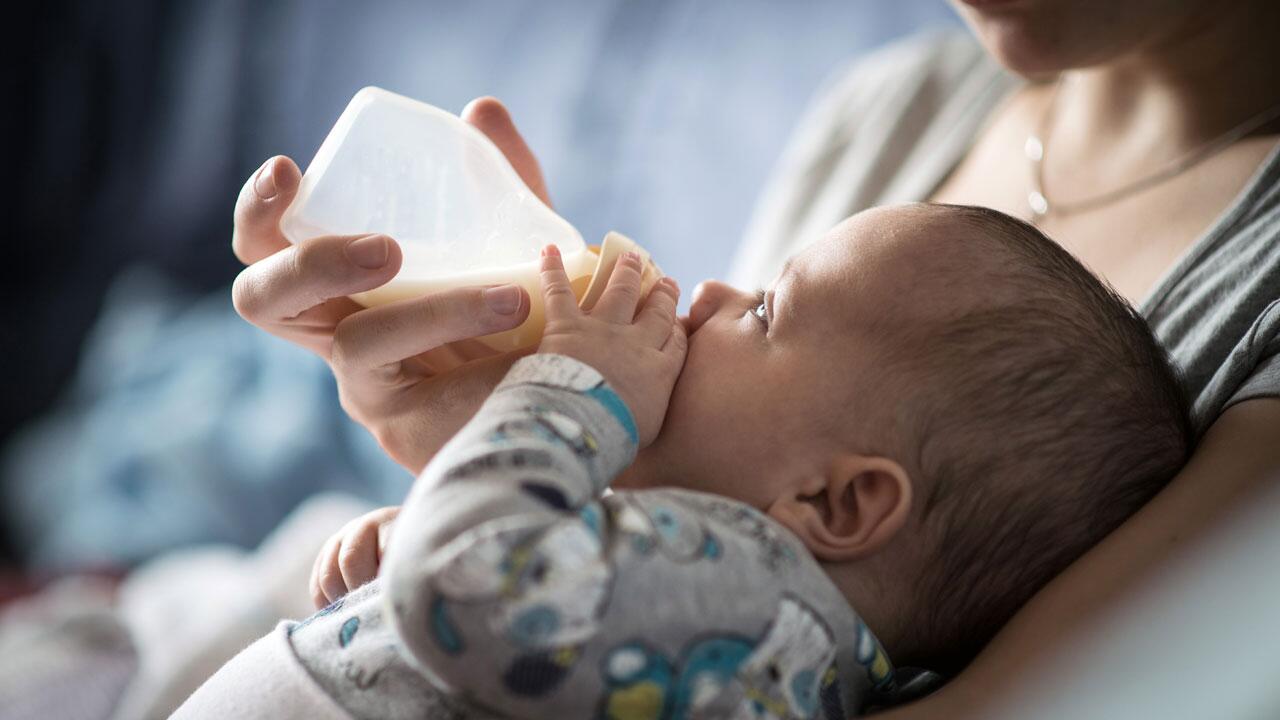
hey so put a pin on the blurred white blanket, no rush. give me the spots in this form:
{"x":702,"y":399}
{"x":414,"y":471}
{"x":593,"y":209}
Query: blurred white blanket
{"x":77,"y":650}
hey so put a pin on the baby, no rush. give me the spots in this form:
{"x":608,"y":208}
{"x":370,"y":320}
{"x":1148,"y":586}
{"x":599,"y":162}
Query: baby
{"x":928,"y":415}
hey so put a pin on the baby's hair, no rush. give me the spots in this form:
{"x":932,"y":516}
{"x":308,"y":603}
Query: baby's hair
{"x":1042,"y":416}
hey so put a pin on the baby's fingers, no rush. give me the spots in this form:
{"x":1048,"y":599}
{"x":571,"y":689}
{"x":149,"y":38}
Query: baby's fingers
{"x":557,"y":294}
{"x":358,"y":556}
{"x":659,"y":311}
{"x":677,"y":344}
{"x":618,"y":303}
{"x":317,"y":595}
{"x":326,"y":576}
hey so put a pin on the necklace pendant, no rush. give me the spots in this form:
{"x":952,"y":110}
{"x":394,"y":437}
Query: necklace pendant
{"x":1038,"y":203}
{"x":1033,"y":148}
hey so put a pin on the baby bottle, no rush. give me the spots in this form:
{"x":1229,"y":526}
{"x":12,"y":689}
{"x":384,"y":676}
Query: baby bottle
{"x":447,"y":195}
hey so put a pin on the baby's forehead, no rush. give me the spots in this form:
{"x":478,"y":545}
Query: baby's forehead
{"x":907,"y":237}
{"x":901,"y":261}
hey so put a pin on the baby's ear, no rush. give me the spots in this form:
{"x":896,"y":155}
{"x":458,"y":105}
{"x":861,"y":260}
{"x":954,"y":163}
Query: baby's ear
{"x":851,"y":512}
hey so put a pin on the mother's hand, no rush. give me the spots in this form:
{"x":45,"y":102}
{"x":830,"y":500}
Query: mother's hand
{"x":388,"y":360}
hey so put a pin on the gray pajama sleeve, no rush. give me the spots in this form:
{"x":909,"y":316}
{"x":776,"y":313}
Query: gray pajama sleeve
{"x":516,"y":587}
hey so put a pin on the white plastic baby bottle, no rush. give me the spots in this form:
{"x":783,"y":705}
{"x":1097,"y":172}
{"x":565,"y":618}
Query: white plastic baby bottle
{"x":459,"y":211}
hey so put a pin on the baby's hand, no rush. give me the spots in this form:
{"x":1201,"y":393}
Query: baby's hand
{"x":639,"y":352}
{"x":351,"y":557}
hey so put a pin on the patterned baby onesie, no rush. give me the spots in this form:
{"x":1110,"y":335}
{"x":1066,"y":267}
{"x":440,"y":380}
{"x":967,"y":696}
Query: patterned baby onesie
{"x":515,"y":586}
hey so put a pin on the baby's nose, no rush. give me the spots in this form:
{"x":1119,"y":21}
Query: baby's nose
{"x":707,"y":297}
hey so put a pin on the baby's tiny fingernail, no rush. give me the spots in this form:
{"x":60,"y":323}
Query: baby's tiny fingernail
{"x":369,"y":252}
{"x":265,"y":184}
{"x":504,"y":299}
{"x":551,"y":251}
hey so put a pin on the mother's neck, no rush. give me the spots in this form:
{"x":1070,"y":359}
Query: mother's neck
{"x":1200,"y":79}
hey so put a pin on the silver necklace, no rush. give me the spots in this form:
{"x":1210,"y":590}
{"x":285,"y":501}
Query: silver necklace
{"x":1035,"y":149}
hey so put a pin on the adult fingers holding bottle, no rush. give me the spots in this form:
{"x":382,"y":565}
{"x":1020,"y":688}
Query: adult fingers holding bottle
{"x":386,"y":359}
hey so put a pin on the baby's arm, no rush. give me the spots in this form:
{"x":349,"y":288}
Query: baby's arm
{"x":640,"y":345}
{"x":510,"y":580}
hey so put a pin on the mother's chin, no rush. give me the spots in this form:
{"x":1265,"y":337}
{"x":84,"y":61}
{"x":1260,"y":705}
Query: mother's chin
{"x":1037,"y":38}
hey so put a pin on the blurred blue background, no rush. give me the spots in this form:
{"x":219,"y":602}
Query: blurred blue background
{"x":139,"y":412}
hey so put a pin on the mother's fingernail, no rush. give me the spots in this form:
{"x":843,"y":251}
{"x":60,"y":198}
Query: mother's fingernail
{"x":265,"y":184}
{"x":504,"y":299}
{"x":369,"y":252}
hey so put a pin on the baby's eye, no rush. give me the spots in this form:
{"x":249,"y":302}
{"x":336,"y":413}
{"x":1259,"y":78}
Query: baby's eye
{"x":759,"y":310}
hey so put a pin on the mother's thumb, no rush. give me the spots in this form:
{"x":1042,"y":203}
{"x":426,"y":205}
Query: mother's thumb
{"x":490,"y":116}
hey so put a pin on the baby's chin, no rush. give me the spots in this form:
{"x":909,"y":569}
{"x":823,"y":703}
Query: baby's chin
{"x":643,"y":470}
{"x":656,"y":464}
{"x":641,"y":473}
{"x":653,"y":467}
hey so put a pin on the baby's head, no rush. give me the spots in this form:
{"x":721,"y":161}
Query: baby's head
{"x":941,"y":403}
